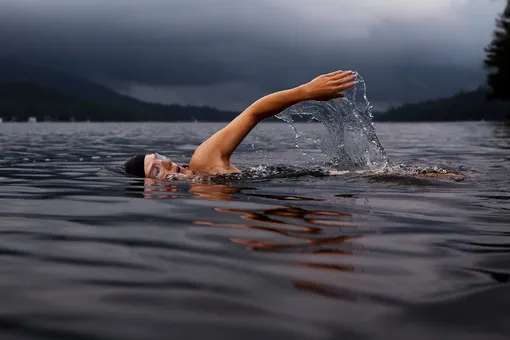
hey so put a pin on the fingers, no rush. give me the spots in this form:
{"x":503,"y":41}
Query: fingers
{"x":333,"y":74}
{"x":340,"y":74}
{"x":342,"y":79}
{"x":345,"y":86}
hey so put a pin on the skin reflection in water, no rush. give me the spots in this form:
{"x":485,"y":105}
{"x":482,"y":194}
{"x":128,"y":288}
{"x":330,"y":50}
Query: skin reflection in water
{"x":155,"y":189}
{"x":284,"y":221}
{"x":213,"y":192}
{"x":320,"y":233}
{"x":309,"y":237}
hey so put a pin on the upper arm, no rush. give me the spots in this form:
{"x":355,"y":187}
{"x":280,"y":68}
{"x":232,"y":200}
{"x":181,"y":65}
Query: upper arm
{"x":216,"y":150}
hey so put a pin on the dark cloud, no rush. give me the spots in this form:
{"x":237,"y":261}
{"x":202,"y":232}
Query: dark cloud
{"x":159,"y":50}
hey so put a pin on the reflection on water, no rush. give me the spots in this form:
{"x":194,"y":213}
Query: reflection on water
{"x":284,"y":253}
{"x":301,"y":231}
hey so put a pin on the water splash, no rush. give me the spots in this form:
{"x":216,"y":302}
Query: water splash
{"x":397,"y":174}
{"x":350,"y":142}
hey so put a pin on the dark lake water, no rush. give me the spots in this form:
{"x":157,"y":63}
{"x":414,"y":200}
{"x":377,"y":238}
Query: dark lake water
{"x":86,"y":253}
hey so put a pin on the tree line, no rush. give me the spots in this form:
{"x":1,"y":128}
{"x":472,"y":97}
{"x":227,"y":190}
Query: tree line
{"x":21,"y":100}
{"x":497,"y":60}
{"x":490,"y":102}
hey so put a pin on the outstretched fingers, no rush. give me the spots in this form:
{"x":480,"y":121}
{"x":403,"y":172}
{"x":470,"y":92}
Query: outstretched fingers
{"x":344,"y":86}
{"x":340,"y":74}
{"x":341,"y":79}
{"x":336,"y":73}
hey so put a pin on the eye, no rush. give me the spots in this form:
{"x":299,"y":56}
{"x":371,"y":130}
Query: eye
{"x":156,"y":170}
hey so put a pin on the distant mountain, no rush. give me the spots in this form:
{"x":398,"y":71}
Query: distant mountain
{"x":78,"y":87}
{"x":21,"y":100}
{"x":27,"y":91}
{"x":32,"y":91}
{"x":464,"y":106}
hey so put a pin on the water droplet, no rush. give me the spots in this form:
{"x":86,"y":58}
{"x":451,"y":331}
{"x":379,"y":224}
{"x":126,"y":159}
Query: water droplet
{"x":350,"y":137}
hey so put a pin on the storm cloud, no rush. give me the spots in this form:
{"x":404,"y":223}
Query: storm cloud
{"x":226,"y":53}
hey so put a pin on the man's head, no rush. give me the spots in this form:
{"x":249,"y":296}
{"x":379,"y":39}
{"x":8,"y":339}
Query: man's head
{"x":136,"y":166}
{"x":152,"y":166}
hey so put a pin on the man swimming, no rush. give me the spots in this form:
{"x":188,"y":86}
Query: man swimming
{"x":213,"y":156}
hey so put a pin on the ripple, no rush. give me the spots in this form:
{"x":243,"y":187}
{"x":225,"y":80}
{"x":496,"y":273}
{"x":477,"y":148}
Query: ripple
{"x":286,"y":250}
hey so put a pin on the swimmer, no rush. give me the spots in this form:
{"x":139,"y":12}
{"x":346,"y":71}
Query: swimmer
{"x":212,"y":157}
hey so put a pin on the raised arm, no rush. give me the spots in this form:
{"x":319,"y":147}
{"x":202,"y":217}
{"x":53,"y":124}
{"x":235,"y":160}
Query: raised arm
{"x":216,"y":151}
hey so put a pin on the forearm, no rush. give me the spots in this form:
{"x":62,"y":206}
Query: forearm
{"x":275,"y":103}
{"x":220,"y":146}
{"x":223,"y":143}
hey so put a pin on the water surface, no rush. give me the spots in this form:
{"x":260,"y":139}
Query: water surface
{"x":86,"y":253}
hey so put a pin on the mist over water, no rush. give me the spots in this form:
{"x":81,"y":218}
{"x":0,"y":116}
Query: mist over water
{"x":350,"y":140}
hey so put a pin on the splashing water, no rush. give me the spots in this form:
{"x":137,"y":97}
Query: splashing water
{"x":350,"y":141}
{"x":350,"y":145}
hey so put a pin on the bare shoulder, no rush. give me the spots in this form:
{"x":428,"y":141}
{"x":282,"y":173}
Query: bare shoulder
{"x":210,"y":162}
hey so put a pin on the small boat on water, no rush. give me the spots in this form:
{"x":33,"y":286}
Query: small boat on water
{"x":32,"y":120}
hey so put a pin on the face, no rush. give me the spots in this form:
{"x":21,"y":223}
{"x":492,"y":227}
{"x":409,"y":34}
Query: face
{"x":159,"y":167}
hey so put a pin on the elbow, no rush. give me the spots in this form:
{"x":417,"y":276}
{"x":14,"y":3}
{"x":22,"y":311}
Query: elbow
{"x":254,"y":115}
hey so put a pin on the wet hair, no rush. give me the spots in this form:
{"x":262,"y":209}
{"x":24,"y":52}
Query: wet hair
{"x":136,"y":166}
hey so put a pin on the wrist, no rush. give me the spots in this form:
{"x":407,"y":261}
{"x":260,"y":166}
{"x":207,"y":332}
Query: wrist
{"x":303,"y":92}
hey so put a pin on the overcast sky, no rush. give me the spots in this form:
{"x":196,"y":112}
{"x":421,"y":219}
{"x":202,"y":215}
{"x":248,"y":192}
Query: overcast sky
{"x":226,"y":53}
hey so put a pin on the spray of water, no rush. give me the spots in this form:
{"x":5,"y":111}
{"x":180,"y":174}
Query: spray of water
{"x":350,"y":141}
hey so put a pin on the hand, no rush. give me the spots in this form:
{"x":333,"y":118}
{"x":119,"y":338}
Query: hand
{"x":329,"y":86}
